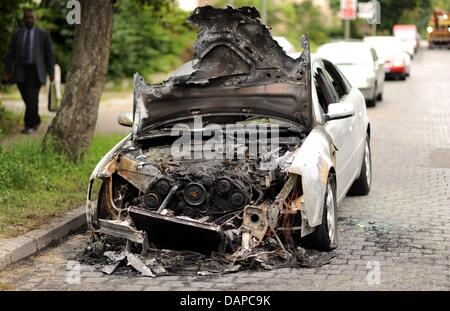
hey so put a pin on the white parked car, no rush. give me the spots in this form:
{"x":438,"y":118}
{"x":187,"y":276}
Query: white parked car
{"x":317,"y":148}
{"x":360,"y":65}
{"x":397,"y":62}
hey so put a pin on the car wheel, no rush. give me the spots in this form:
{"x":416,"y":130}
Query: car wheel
{"x":362,"y":185}
{"x":403,"y":77}
{"x":324,"y":237}
{"x":372,"y":102}
{"x":380,"y":97}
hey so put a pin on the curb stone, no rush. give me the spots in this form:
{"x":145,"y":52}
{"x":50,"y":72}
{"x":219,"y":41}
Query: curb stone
{"x":15,"y":249}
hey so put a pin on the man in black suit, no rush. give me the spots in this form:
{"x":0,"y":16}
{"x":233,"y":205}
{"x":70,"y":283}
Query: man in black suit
{"x":28,"y":61}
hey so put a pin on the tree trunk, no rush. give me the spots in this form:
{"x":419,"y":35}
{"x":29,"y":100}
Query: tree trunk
{"x":72,"y":129}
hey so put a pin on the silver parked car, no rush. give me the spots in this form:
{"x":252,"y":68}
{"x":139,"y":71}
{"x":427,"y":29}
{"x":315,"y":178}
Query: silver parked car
{"x":360,"y":64}
{"x":308,"y":122}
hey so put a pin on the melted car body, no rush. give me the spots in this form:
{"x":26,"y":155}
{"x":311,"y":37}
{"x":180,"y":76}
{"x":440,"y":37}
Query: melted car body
{"x":240,"y":145}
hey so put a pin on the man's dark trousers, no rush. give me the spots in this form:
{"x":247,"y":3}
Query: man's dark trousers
{"x":29,"y":89}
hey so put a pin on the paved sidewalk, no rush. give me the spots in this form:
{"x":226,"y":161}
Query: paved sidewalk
{"x":108,"y":111}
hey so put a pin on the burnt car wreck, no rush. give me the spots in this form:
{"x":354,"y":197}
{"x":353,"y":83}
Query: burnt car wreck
{"x":236,"y":202}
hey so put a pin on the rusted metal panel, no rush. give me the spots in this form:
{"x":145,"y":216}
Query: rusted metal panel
{"x":132,"y":171}
{"x":255,"y":220}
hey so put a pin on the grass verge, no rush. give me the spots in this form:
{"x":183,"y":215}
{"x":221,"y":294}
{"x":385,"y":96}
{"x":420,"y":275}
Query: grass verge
{"x":37,"y":185}
{"x":9,"y":121}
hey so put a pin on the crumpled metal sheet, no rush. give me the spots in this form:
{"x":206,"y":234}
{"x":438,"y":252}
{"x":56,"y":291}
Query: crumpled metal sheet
{"x":233,"y":42}
{"x":111,"y":268}
{"x":235,"y":56}
{"x":137,"y":263}
{"x":156,"y":262}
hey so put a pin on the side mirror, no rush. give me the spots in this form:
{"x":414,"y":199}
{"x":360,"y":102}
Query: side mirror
{"x":125,"y":119}
{"x":339,"y":111}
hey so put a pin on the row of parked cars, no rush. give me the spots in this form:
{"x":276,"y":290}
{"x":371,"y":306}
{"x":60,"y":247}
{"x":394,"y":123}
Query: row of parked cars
{"x":369,"y":62}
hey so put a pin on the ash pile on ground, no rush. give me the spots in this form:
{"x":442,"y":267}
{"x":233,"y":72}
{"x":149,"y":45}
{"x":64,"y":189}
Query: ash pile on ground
{"x":112,"y":256}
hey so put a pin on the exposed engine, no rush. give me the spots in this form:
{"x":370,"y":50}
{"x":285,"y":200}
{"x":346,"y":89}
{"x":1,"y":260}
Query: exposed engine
{"x":206,"y":189}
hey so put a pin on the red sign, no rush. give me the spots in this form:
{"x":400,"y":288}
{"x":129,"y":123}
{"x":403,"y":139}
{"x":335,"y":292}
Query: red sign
{"x":348,"y":9}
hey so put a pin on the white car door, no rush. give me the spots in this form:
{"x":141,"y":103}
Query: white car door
{"x":346,"y":133}
{"x":336,"y":129}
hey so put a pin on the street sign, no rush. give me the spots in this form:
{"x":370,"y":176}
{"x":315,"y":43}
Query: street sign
{"x":348,"y":9}
{"x":367,"y":10}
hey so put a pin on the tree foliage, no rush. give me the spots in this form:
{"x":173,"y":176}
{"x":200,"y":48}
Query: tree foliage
{"x":404,"y":12}
{"x":52,"y":17}
{"x":148,"y":35}
{"x":10,"y":19}
{"x":298,"y":19}
{"x":441,"y":4}
{"x":148,"y":38}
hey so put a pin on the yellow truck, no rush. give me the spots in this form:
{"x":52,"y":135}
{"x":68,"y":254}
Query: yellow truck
{"x":439,"y":30}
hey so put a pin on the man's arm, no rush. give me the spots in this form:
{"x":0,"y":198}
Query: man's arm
{"x":49,"y":58}
{"x":10,"y":56}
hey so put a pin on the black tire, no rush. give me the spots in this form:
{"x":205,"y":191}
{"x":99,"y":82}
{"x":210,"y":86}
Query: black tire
{"x":403,"y":77}
{"x":372,"y":102}
{"x":324,"y":238}
{"x":362,"y":185}
{"x":380,"y":97}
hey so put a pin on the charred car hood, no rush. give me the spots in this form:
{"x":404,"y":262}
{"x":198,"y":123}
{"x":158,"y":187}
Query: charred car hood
{"x":240,"y":70}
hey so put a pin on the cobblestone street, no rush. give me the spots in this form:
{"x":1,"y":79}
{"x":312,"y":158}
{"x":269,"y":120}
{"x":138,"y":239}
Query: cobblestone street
{"x":402,"y":227}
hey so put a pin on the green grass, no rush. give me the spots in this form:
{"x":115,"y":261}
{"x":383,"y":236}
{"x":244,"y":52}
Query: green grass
{"x":10,"y":92}
{"x":37,"y":185}
{"x":8,"y":121}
